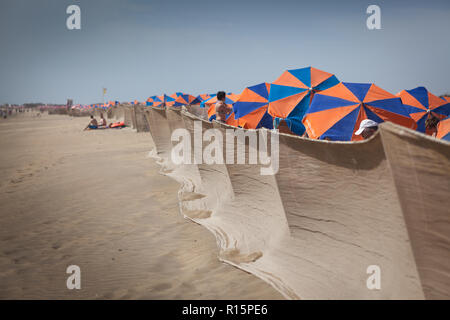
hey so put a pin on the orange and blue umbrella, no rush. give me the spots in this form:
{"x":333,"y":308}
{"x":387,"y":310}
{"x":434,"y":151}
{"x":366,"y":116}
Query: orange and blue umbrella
{"x":149,"y":102}
{"x":250,"y":109}
{"x":184,"y":100}
{"x":336,"y":113}
{"x":443,"y":129}
{"x":202,"y":97}
{"x":291,"y":94}
{"x":231,"y":120}
{"x":170,"y":100}
{"x":158,"y":101}
{"x":420,"y":102}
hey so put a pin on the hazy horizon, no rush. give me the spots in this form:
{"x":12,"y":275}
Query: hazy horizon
{"x":139,"y":48}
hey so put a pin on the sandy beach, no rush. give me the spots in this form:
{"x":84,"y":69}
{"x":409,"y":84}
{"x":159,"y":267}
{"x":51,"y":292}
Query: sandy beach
{"x":96,"y":200}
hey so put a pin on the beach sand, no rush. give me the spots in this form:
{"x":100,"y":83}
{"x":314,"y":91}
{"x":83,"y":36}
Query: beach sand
{"x":94,"y":199}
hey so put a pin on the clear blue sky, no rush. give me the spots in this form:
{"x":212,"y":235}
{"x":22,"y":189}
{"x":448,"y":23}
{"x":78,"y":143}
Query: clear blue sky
{"x":138,"y":48}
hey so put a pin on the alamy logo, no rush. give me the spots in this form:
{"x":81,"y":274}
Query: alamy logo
{"x":212,"y":147}
{"x":374,"y":280}
{"x":73,"y":21}
{"x":74,"y":280}
{"x":374,"y":20}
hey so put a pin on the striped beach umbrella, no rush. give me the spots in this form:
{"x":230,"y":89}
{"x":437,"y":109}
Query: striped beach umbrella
{"x":231,"y":120}
{"x":250,"y":109}
{"x":443,"y":129}
{"x":184,"y":100}
{"x":291,"y":94}
{"x":170,"y":100}
{"x":149,"y":102}
{"x":336,"y":113}
{"x":202,"y":97}
{"x":158,"y":101}
{"x":420,"y":103}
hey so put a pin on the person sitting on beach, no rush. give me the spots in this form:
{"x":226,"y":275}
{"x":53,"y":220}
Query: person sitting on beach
{"x":367,"y":128}
{"x":222,"y":110}
{"x":92,"y":124}
{"x":102,"y":122}
{"x":431,"y":125}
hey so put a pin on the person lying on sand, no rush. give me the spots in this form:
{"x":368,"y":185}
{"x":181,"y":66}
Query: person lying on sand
{"x":222,"y":110}
{"x":367,"y":128}
{"x":92,"y":124}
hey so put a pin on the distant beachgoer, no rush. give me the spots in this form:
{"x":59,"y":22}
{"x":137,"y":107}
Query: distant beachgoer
{"x":367,"y":128}
{"x":222,"y":110}
{"x":102,"y":122}
{"x":431,"y":125}
{"x":92,"y":124}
